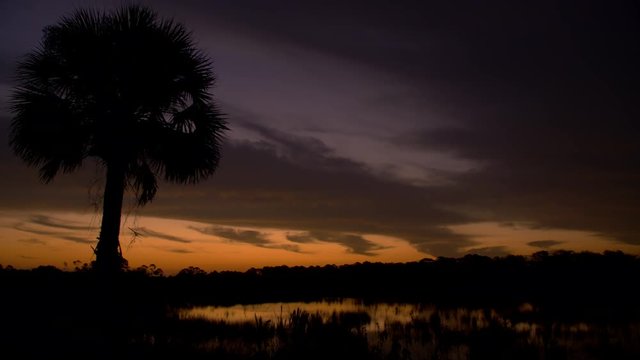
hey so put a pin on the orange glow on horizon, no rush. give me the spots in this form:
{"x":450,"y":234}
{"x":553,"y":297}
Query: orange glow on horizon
{"x":60,"y":238}
{"x":27,"y":245}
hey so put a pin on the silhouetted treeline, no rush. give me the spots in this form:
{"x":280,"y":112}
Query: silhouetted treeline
{"x":543,"y":278}
{"x":558,"y":278}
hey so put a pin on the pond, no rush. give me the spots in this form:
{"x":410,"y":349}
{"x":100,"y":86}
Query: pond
{"x":377,"y":315}
{"x":417,"y":331}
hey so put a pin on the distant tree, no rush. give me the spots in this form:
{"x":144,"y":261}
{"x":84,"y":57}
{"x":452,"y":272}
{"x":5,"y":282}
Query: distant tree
{"x":191,"y":271}
{"x":150,"y":270}
{"x":127,"y":88}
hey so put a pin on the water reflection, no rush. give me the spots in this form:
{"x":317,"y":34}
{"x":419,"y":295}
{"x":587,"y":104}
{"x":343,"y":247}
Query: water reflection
{"x":427,"y":331}
{"x":380,"y":314}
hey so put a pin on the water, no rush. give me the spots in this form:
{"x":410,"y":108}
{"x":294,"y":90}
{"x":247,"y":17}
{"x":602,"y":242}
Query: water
{"x":425,"y":331}
{"x":380,"y":314}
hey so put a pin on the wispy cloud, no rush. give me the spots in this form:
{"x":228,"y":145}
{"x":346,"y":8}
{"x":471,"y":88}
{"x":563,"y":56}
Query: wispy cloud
{"x":288,"y":247}
{"x":544,"y":244}
{"x":236,"y":235}
{"x":355,"y":244}
{"x":76,"y":239}
{"x":33,"y":241}
{"x":180,"y":251}
{"x":251,"y":237}
{"x":304,"y":238}
{"x":143,"y":231}
{"x":57,"y":234}
{"x":48,"y":221}
{"x":26,"y":228}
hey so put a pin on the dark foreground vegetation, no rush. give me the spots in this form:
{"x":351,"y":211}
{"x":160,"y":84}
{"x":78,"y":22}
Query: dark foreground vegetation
{"x":580,"y":305}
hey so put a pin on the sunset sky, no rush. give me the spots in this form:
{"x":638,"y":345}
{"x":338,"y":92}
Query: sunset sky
{"x":368,"y":130}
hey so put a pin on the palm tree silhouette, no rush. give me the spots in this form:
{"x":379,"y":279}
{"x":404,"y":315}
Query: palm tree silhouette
{"x":127,"y":88}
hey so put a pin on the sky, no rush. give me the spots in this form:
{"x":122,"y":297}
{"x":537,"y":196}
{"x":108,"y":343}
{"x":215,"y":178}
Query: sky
{"x":368,"y":131}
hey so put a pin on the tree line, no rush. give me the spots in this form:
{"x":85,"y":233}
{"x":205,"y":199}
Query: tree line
{"x":560,"y":277}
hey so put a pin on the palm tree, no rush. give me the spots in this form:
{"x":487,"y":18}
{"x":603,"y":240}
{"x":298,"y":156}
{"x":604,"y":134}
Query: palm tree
{"x":127,"y":88}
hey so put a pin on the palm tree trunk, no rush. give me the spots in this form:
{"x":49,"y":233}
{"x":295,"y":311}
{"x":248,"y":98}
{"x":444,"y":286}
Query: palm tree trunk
{"x":108,"y":253}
